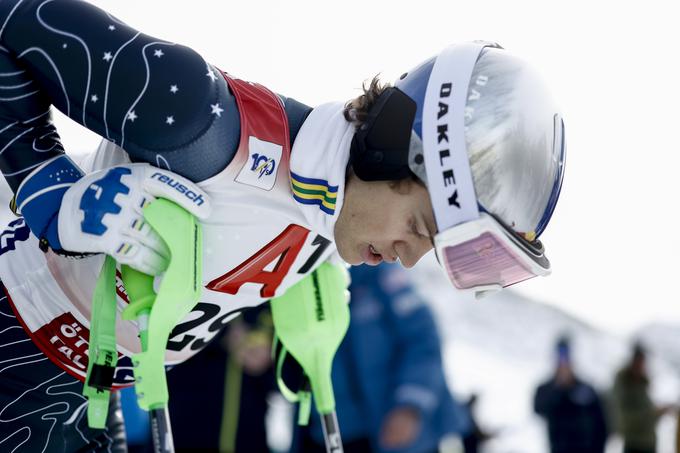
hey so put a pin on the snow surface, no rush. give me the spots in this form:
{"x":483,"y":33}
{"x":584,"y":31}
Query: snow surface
{"x":501,"y":347}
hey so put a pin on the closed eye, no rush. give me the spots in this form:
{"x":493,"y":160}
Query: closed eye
{"x":425,"y":232}
{"x":416,"y":230}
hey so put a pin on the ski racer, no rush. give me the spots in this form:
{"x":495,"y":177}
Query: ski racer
{"x":464,"y":154}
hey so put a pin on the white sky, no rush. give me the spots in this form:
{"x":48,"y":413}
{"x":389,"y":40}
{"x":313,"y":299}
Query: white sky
{"x":614,"y":68}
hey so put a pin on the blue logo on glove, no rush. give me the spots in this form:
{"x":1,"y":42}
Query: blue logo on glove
{"x":97,"y":201}
{"x":17,"y":231}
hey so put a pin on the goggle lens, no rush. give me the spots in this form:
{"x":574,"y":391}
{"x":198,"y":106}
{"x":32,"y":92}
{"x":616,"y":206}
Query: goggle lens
{"x":483,"y":261}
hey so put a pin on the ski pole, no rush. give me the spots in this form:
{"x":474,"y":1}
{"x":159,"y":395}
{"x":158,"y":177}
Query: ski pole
{"x":331,"y":433}
{"x":311,"y":320}
{"x":140,"y":290}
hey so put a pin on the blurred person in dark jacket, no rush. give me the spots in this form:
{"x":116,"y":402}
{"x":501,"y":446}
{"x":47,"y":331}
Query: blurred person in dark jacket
{"x":572,"y":409}
{"x":223,"y":410}
{"x":635,"y":414}
{"x":476,"y":436}
{"x":390,"y":391}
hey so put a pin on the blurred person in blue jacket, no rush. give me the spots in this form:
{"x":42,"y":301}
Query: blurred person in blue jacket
{"x":572,"y":408}
{"x":388,"y":376}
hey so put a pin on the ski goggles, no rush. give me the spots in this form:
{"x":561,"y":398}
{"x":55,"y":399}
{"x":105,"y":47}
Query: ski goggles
{"x":476,"y":249}
{"x":485,"y":255}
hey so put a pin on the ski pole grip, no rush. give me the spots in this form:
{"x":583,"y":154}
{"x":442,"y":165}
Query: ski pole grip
{"x":139,"y":289}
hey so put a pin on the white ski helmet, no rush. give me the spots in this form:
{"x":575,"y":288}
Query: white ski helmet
{"x":479,"y":128}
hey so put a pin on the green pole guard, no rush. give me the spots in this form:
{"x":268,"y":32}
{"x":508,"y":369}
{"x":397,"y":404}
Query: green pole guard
{"x":311,"y":319}
{"x":139,"y":288}
{"x":305,"y":408}
{"x":302,"y":396}
{"x":178,"y":293}
{"x":102,"y":347}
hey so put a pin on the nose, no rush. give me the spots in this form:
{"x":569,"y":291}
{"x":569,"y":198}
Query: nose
{"x":411,"y":252}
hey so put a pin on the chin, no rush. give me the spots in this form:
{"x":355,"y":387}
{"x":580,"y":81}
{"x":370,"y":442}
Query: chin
{"x":352,"y":261}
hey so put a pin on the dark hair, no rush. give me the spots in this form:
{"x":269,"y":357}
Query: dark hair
{"x":357,"y":109}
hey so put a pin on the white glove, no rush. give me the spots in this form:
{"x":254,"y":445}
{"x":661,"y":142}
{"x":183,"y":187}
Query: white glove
{"x":102,"y":212}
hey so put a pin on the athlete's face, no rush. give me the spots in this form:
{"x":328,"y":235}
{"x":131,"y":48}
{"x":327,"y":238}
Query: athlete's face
{"x":384,"y":221}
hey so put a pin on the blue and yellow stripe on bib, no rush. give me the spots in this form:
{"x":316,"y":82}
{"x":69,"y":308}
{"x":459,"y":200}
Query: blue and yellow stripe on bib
{"x":314,"y":192}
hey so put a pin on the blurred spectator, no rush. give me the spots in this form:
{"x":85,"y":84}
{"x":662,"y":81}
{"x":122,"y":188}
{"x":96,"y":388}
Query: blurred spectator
{"x":222,"y":406}
{"x":475,"y":436}
{"x":634,"y":412}
{"x":677,"y":435}
{"x":389,"y":383}
{"x":572,"y":409}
